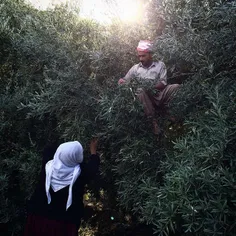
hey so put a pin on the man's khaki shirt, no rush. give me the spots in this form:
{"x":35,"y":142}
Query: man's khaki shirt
{"x":156,"y":73}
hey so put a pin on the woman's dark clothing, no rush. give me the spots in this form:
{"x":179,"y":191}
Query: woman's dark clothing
{"x":56,"y":211}
{"x":41,"y":226}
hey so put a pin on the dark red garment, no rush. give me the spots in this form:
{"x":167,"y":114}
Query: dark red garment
{"x":41,"y":226}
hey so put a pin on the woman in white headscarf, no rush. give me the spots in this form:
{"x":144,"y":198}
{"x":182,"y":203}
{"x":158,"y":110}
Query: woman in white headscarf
{"x":56,"y":207}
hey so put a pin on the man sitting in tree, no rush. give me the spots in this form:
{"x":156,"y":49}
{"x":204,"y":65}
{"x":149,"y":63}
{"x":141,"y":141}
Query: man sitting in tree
{"x":154,"y":73}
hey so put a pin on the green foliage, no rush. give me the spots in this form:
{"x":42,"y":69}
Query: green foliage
{"x":39,"y":53}
{"x":187,"y":187}
{"x":116,"y":53}
{"x":58,"y":77}
{"x":194,"y":194}
{"x":19,"y":169}
{"x":200,"y":173}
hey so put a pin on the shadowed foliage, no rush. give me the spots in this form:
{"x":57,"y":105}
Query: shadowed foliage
{"x":58,"y":82}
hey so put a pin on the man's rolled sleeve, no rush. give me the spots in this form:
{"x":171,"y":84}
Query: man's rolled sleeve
{"x":130,"y":74}
{"x":163,"y":74}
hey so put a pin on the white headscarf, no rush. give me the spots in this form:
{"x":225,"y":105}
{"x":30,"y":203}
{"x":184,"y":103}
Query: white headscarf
{"x":64,"y":169}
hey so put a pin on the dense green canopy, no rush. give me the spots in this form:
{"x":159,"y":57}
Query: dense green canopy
{"x":58,"y":81}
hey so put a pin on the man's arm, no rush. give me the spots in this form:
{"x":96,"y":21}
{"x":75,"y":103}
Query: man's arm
{"x":163,"y":77}
{"x":128,"y":76}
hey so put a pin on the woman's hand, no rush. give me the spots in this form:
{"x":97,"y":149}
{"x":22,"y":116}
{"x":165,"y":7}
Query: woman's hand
{"x":93,"y":146}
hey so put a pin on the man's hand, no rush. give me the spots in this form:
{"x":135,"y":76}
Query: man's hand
{"x":121,"y":81}
{"x":93,"y":146}
{"x":160,"y":86}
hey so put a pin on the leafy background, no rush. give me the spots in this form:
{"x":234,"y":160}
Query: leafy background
{"x":58,"y":82}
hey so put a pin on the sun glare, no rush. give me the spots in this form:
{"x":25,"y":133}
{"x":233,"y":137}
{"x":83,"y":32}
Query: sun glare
{"x":103,"y":11}
{"x":130,"y":10}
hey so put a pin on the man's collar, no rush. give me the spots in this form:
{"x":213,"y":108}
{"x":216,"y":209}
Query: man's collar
{"x":152,"y":65}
